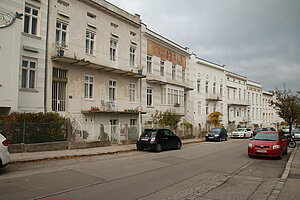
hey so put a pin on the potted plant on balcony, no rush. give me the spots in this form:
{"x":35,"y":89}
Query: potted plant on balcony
{"x":61,"y":46}
{"x":95,"y":108}
{"x":177,"y":104}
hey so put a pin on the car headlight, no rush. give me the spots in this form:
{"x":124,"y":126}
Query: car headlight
{"x":206,"y":134}
{"x":250,"y":145}
{"x":217,"y":135}
{"x":277,"y":146}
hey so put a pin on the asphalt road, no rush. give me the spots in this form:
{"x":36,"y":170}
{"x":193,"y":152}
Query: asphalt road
{"x":209,"y":170}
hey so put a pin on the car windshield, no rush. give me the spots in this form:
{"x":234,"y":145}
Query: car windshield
{"x":240,"y":130}
{"x":149,"y":133}
{"x":215,"y":130}
{"x":266,"y":136}
{"x":296,"y":131}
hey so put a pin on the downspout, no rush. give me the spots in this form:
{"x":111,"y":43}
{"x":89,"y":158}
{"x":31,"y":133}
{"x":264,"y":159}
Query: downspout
{"x":46,"y":61}
{"x":140,"y":106}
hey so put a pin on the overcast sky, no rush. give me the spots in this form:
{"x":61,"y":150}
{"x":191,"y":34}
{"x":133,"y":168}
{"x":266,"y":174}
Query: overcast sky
{"x":259,"y":39}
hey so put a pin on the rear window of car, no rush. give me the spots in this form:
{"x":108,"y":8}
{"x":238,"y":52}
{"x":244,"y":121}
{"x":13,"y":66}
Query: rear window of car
{"x":266,"y":136}
{"x":215,"y":130}
{"x":149,"y":133}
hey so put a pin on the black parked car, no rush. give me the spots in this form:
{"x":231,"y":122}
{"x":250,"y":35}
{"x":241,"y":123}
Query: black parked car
{"x":216,"y":134}
{"x":158,"y":140}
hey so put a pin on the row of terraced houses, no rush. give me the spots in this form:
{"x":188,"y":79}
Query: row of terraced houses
{"x":101,"y":66}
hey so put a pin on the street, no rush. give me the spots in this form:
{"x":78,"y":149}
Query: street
{"x":208,"y":170}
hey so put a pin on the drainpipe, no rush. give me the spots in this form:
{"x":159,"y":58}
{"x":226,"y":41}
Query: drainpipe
{"x":46,"y":60}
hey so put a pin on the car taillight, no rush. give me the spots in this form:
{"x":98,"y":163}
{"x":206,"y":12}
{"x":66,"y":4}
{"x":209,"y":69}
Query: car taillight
{"x":153,"y":139}
{"x":5,"y":143}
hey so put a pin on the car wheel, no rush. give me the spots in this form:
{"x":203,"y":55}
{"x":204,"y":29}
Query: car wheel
{"x":139,"y":148}
{"x":285,"y":152}
{"x":219,"y":140}
{"x":250,"y":156}
{"x":158,"y":147}
{"x":225,"y":138}
{"x":244,"y":136}
{"x":178,"y":146}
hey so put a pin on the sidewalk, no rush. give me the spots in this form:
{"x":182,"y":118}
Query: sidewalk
{"x":288,"y":187}
{"x":47,"y":155}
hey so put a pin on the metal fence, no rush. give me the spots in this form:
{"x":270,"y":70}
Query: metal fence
{"x":29,"y":133}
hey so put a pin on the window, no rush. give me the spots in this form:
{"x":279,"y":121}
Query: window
{"x":221,"y":90}
{"x":31,"y":20}
{"x":149,"y":64}
{"x":132,"y":122}
{"x":59,"y":90}
{"x":198,"y":85}
{"x":89,"y":42}
{"x":28,"y":73}
{"x":206,"y":86}
{"x":199,"y":108}
{"x":149,"y":97}
{"x":61,"y":32}
{"x":214,"y":88}
{"x":183,"y":74}
{"x":163,"y":96}
{"x":132,"y":92}
{"x":228,"y":93}
{"x":176,"y":96}
{"x":162,"y":67}
{"x":173,"y":72}
{"x":240,"y":93}
{"x":132,"y":56}
{"x":113,"y":49}
{"x":112,"y":90}
{"x":206,"y":109}
{"x":234,"y":94}
{"x":88,"y":87}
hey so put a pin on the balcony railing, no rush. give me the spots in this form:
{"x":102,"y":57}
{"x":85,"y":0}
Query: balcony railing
{"x":238,"y":102}
{"x":213,"y":97}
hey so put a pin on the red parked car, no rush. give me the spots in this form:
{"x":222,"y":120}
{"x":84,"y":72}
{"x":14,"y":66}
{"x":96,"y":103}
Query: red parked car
{"x":268,"y":143}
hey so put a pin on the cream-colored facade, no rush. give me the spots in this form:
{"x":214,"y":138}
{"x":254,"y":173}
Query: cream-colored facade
{"x":208,"y":95}
{"x":269,"y":116}
{"x":255,"y":99}
{"x":93,"y":60}
{"x":166,"y":65}
{"x":22,"y":53}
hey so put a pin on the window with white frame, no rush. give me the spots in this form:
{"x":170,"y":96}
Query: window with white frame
{"x":113,"y":49}
{"x":199,"y":108}
{"x":31,"y":20}
{"x":221,"y":90}
{"x":240,"y":93}
{"x":181,"y":97}
{"x":176,"y":97}
{"x":173,"y":72}
{"x":88,"y":87}
{"x":29,"y":68}
{"x":90,"y":37}
{"x":61,"y":32}
{"x":112,"y":90}
{"x":149,"y":97}
{"x":214,"y":88}
{"x":162,"y":67}
{"x":183,"y":74}
{"x":149,"y":64}
{"x":163,"y":96}
{"x":207,"y":109}
{"x":206,"y":86}
{"x":132,"y":55}
{"x":132,"y":92}
{"x":198,"y":85}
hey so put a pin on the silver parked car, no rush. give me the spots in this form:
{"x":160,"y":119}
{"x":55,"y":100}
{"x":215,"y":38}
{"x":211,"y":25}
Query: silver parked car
{"x":4,"y":154}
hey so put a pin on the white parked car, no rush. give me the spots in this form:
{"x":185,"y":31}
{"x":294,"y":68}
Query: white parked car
{"x":4,"y":154}
{"x":242,"y":133}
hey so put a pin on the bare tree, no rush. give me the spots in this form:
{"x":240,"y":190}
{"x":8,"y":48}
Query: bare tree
{"x":287,"y":106}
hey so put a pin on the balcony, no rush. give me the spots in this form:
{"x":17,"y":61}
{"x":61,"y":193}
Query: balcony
{"x":238,"y":102}
{"x":213,"y":97}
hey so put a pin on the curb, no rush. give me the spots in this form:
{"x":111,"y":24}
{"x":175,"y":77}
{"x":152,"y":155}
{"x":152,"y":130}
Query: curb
{"x":280,"y":184}
{"x":70,"y":156}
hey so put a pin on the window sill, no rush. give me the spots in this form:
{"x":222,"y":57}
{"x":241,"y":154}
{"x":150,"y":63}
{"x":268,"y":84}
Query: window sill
{"x":87,"y":99}
{"x":32,"y":36}
{"x":150,"y":106}
{"x":92,"y":55}
{"x":28,"y":90}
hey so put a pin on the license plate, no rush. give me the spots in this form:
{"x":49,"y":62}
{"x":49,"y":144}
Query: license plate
{"x":210,"y":137}
{"x":261,"y":151}
{"x":145,"y":139}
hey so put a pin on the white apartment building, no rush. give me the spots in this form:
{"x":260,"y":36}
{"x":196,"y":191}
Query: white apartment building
{"x":166,"y":65}
{"x":208,"y":95}
{"x":255,"y":99}
{"x":93,"y":62}
{"x":22,"y":53}
{"x":237,"y":99}
{"x":269,"y":116}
